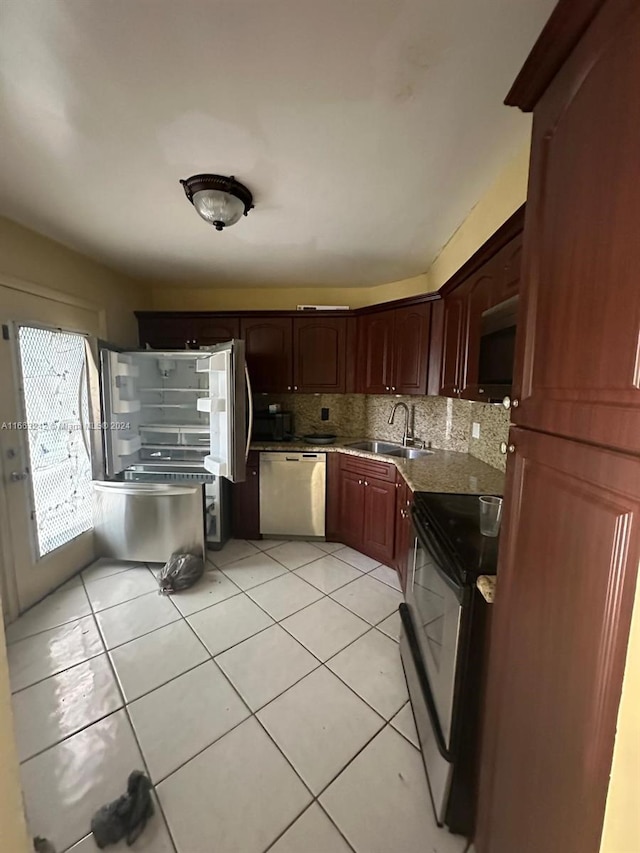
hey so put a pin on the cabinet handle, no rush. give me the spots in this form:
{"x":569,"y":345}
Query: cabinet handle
{"x":386,"y":387}
{"x":295,"y":387}
{"x":393,"y":387}
{"x":254,"y":473}
{"x":397,"y":485}
{"x":359,"y":482}
{"x":366,"y":484}
{"x":515,"y":402}
{"x":480,"y":390}
{"x":506,"y":402}
{"x":288,"y":387}
{"x":507,"y":448}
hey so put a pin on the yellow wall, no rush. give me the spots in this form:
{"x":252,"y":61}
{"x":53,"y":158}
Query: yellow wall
{"x":282,"y":298}
{"x":502,"y":199}
{"x":622,"y":819}
{"x":12,"y":824}
{"x":33,"y":258}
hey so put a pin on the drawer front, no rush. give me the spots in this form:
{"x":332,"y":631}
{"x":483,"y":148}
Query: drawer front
{"x":368,"y":467}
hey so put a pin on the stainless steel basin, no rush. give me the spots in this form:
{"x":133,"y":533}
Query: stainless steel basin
{"x":382,"y":447}
{"x":410,"y":452}
{"x":385,"y":448}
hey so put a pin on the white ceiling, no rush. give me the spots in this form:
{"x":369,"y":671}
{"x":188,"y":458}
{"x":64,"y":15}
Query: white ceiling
{"x":366,"y":129}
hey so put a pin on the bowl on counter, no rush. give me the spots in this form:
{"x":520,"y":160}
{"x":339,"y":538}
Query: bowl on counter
{"x":319,"y":438}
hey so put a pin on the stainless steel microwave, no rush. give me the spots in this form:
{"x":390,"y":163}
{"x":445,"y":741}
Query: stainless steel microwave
{"x":497,"y":348}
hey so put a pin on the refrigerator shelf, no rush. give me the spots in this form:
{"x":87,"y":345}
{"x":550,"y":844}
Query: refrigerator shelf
{"x":211,"y":404}
{"x":167,"y":405}
{"x":187,"y":428}
{"x":197,"y":448}
{"x":171,"y":390}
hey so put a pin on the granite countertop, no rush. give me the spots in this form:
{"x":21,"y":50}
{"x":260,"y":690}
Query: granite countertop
{"x":487,"y":586}
{"x":443,"y":471}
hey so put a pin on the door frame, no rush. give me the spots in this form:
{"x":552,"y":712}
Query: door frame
{"x":8,"y":582}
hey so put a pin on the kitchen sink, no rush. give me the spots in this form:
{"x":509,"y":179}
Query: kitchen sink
{"x":409,"y":452}
{"x":384,"y":448}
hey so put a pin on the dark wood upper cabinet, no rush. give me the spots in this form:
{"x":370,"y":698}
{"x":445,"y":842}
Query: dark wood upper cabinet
{"x":453,"y":344}
{"x":578,"y":361}
{"x":508,"y":269}
{"x":217,"y":331}
{"x":411,"y":349}
{"x":319,"y":354}
{"x":394,"y":350}
{"x":481,"y":294}
{"x":375,"y":352}
{"x":269,"y":352}
{"x":569,"y":552}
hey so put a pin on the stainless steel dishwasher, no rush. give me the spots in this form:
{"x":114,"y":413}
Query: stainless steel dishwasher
{"x":292,"y":494}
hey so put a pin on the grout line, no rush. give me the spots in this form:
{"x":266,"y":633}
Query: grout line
{"x":125,"y":705}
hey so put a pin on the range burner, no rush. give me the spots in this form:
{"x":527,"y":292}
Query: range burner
{"x":455,"y":520}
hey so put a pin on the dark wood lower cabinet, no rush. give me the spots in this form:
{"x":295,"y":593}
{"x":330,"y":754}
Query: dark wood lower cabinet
{"x":365,"y":511}
{"x":569,"y":556}
{"x":379,"y":520}
{"x":245,"y":499}
{"x":352,"y":509}
{"x":403,"y":533}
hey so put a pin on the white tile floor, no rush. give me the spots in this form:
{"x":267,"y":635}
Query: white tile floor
{"x":268,"y":705}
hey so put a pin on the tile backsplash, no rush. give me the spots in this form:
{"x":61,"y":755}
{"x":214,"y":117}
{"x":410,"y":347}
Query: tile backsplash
{"x":445,"y":422}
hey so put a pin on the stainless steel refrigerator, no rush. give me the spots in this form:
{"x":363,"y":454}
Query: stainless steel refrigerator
{"x":174,"y":430}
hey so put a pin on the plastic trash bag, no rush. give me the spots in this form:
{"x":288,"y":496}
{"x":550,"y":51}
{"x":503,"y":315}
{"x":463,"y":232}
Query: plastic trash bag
{"x":42,"y":845}
{"x":180,"y":572}
{"x":125,"y":817}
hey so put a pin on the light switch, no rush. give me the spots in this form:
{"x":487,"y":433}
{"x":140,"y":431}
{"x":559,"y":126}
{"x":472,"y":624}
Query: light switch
{"x":475,"y":430}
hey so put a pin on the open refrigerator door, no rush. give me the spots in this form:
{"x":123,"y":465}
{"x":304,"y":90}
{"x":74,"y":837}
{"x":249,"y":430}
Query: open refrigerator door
{"x":227,"y":404}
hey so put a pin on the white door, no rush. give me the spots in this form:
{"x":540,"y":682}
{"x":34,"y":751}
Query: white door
{"x":45,"y":466}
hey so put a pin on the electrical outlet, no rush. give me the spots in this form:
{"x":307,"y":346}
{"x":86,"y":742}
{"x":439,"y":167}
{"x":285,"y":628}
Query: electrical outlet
{"x":324,"y":414}
{"x":475,"y":430}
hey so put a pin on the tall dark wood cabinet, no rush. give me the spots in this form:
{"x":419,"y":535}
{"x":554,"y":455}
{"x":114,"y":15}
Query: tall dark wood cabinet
{"x":269,"y":353}
{"x":480,"y":292}
{"x":571,"y":533}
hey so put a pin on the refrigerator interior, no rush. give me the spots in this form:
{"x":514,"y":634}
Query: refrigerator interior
{"x":155,"y":430}
{"x":151,"y":404}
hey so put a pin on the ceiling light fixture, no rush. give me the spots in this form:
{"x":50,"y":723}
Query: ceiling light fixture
{"x":220,"y":201}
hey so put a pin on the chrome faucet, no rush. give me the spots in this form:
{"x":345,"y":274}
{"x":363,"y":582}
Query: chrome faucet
{"x":407,"y":436}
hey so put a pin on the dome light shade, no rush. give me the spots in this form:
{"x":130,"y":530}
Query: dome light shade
{"x":219,"y":200}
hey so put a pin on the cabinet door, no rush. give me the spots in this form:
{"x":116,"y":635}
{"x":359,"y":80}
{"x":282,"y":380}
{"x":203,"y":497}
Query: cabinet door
{"x":379,"y":520}
{"x":217,"y":330}
{"x":508,"y":268}
{"x":569,"y":555}
{"x":403,"y":543}
{"x":480,"y":292}
{"x":578,"y":364}
{"x":245,"y":499}
{"x":319,"y":354}
{"x":352,"y":497}
{"x":268,"y":352}
{"x":454,"y":310}
{"x":375,"y":332}
{"x":170,"y":331}
{"x":411,"y":349}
